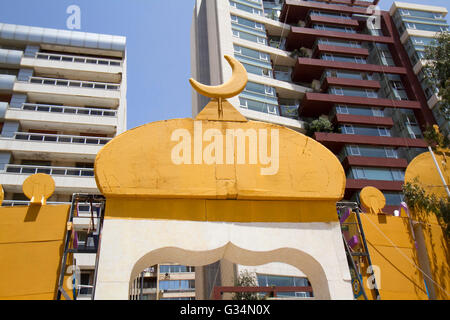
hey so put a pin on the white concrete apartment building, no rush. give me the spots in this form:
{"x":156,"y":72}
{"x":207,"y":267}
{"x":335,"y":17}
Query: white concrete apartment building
{"x":418,"y":26}
{"x":62,"y":97}
{"x":238,"y":28}
{"x":164,"y":282}
{"x":232,"y":27}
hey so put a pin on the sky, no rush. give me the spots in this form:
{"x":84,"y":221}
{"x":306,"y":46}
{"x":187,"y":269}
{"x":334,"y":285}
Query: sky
{"x":158,"y":45}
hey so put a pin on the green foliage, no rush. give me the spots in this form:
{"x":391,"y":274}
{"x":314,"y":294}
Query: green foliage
{"x":417,"y":199}
{"x":319,"y":125}
{"x":245,"y":279}
{"x":299,"y":53}
{"x":435,"y":139}
{"x":437,"y":71}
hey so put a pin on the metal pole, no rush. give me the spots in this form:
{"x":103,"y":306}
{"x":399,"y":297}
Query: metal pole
{"x":439,"y":171}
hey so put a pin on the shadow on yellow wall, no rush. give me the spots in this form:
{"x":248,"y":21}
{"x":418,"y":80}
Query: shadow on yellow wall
{"x":31,"y":243}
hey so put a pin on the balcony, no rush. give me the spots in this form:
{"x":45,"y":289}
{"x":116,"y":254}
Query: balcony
{"x":56,"y":118}
{"x":69,"y":110}
{"x":60,"y":138}
{"x":345,"y":22}
{"x":324,"y":48}
{"x":335,"y":141}
{"x":358,"y":184}
{"x":307,"y":69}
{"x":74,"y":83}
{"x":59,"y":171}
{"x":347,"y":82}
{"x":364,"y":120}
{"x":294,"y":10}
{"x":307,"y":36}
{"x":69,"y":92}
{"x":374,"y":162}
{"x":78,"y":59}
{"x":67,"y":180}
{"x":315,"y":104}
{"x":70,"y":66}
{"x":53,"y":147}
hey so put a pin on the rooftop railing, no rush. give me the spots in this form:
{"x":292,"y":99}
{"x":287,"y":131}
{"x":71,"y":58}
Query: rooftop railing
{"x":74,"y":83}
{"x":79,"y":59}
{"x":68,"y":110}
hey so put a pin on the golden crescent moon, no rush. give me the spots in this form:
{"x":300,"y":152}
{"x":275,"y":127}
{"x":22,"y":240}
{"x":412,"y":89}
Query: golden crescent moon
{"x":229,"y":89}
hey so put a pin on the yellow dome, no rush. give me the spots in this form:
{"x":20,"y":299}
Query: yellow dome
{"x":153,"y":161}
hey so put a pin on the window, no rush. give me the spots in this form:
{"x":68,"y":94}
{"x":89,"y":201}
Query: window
{"x":393,"y":198}
{"x":327,"y":56}
{"x":371,"y":94}
{"x":269,"y":90}
{"x":391,"y":153}
{"x":354,"y":150}
{"x":383,"y":132}
{"x":266,"y":280}
{"x":358,"y":173}
{"x":177,"y":285}
{"x":377,"y":112}
{"x":264,"y":56}
{"x":342,"y":109}
{"x":348,"y":129}
{"x":410,"y":25}
{"x":337,"y":91}
{"x":271,"y":109}
{"x":258,"y":106}
{"x":377,"y":174}
{"x":398,"y":175}
{"x":405,"y":12}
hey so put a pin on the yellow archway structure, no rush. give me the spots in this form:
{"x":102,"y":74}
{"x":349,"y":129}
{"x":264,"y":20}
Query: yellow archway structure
{"x":219,"y":181}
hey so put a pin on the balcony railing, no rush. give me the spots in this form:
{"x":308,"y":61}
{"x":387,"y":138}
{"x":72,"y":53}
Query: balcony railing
{"x":15,"y":203}
{"x":60,"y":171}
{"x":74,"y":83}
{"x":80,"y":59}
{"x":82,"y":209}
{"x":59,"y":138}
{"x":68,"y":109}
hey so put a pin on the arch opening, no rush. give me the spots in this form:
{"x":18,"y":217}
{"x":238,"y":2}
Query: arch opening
{"x":185,"y":271}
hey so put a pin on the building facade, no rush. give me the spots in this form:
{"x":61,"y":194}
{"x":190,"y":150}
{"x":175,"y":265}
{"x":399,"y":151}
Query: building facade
{"x":164,"y":282}
{"x":418,"y":25}
{"x":338,"y":60}
{"x":62,"y":97}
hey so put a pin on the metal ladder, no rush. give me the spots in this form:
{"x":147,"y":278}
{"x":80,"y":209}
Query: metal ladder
{"x":352,"y":254}
{"x":90,"y":199}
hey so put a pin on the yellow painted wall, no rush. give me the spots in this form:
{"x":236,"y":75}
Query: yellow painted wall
{"x":400,"y":279}
{"x":222,"y":210}
{"x":31,"y":246}
{"x":437,"y":245}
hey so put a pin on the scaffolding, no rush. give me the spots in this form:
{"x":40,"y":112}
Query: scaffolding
{"x":84,"y":207}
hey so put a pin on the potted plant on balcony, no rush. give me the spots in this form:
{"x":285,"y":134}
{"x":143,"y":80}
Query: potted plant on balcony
{"x":319,"y":125}
{"x":299,"y":53}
